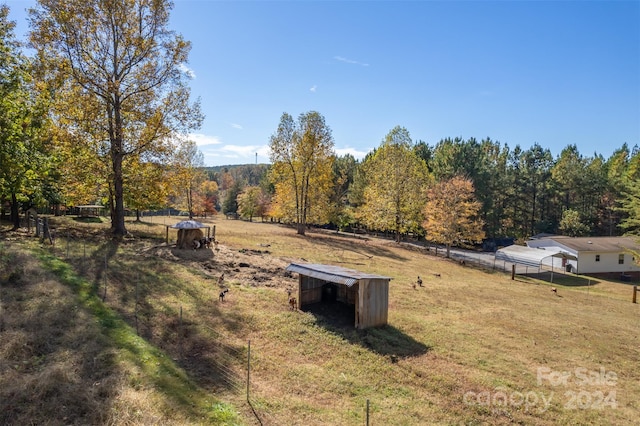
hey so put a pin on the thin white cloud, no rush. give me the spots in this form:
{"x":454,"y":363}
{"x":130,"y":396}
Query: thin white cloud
{"x":234,"y":154}
{"x":350,"y":61}
{"x":188,"y":71}
{"x":203,"y":140}
{"x":313,"y":88}
{"x":236,"y":126}
{"x":358,"y":155}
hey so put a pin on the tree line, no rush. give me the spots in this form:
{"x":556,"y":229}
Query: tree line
{"x":413,"y":187}
{"x":100,"y":113}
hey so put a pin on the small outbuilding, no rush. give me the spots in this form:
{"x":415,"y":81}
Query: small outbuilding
{"x":368,"y":293}
{"x":189,"y":230}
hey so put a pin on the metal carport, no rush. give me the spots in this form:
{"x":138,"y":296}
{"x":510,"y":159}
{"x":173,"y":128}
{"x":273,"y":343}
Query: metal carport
{"x":531,"y":257}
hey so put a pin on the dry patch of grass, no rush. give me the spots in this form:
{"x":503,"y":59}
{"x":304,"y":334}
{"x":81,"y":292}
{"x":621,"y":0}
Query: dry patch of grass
{"x":65,"y":358}
{"x":465,"y":336}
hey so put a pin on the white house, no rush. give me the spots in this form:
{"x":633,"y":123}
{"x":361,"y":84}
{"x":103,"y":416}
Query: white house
{"x":595,"y":255}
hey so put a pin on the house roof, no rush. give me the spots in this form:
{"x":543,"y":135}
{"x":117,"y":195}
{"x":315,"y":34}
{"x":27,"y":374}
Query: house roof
{"x":599,"y":244}
{"x":331,"y":273}
{"x":530,"y":256}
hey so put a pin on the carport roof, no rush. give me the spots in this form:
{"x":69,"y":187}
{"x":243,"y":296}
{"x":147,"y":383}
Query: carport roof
{"x":530,"y":256}
{"x":331,"y":273}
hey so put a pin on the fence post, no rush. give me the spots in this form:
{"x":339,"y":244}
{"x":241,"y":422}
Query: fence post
{"x":635,"y":292}
{"x":106,"y":262}
{"x":367,"y":413}
{"x":135,"y":315}
{"x":513,"y":272}
{"x":248,"y":367}
{"x":180,"y":333}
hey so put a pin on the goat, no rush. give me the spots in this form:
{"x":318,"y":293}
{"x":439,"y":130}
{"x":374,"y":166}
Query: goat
{"x":206,"y":242}
{"x":554,"y":290}
{"x":221,"y":279}
{"x":419,"y":281}
{"x":293,"y":303}
{"x":196,"y":244}
{"x":436,"y":275}
{"x":222,"y":293}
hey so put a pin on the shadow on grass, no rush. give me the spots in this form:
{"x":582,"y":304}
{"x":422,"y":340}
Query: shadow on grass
{"x":56,"y":367}
{"x":88,"y":219}
{"x":165,"y":376}
{"x":563,"y":279}
{"x":337,"y":243}
{"x":206,"y":357}
{"x":385,"y":340}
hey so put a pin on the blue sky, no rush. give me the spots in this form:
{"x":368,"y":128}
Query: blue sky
{"x":520,"y":72}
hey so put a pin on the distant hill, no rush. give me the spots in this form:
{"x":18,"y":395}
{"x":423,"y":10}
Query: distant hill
{"x":248,"y":174}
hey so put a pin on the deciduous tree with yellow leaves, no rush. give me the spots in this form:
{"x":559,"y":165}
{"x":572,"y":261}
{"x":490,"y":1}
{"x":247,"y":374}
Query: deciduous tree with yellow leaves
{"x":302,"y":156}
{"x":451,"y":213}
{"x":395,"y":181}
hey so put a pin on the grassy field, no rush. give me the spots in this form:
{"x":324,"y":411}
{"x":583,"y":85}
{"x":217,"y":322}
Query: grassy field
{"x":134,"y":333}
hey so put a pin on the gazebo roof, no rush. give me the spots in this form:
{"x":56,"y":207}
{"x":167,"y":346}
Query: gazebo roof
{"x":189,"y":224}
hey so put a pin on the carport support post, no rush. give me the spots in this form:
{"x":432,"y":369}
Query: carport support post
{"x":513,"y":272}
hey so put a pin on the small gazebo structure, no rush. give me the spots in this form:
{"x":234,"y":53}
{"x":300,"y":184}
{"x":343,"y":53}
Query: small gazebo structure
{"x":189,"y":230}
{"x":369,"y":293}
{"x":89,"y":210}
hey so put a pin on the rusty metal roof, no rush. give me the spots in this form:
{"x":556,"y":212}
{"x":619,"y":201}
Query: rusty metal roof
{"x":331,"y":273}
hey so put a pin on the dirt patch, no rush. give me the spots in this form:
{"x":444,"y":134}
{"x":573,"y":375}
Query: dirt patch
{"x":245,"y":266}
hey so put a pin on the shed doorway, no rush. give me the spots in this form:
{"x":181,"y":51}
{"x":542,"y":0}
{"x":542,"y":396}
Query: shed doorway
{"x":334,"y":307}
{"x":329,"y":293}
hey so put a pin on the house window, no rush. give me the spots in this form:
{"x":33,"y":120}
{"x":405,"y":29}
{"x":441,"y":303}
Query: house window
{"x":621,"y":259}
{"x":597,"y":258}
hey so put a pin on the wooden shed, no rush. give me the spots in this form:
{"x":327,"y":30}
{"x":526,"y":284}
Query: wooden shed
{"x":368,"y":293}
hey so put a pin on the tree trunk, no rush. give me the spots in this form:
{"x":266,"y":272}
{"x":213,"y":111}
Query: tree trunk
{"x":301,"y":229}
{"x":137,"y":215}
{"x":117,"y":225}
{"x":117,"y":156}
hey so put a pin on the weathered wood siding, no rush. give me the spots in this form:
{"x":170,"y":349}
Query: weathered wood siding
{"x":309,"y":290}
{"x":373,"y":303}
{"x":370,"y":297}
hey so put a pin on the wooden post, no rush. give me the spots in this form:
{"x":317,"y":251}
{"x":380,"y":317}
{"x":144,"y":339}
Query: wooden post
{"x":106,"y":263}
{"x":635,"y":292}
{"x":180,"y":333}
{"x":248,"y":367}
{"x":513,"y":271}
{"x":136,"y":306}
{"x":367,"y":413}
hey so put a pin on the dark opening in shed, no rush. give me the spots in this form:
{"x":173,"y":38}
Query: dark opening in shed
{"x":366,"y":295}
